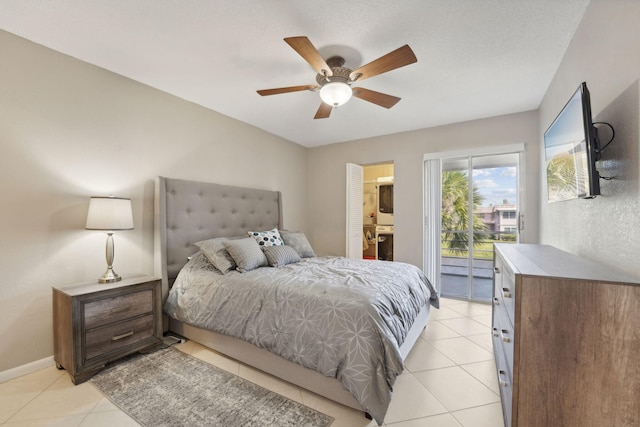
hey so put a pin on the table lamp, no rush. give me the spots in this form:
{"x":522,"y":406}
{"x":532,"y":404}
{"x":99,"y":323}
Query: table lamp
{"x":109,"y":214}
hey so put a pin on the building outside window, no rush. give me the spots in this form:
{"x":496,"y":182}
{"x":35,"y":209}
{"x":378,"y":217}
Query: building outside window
{"x":499,"y":219}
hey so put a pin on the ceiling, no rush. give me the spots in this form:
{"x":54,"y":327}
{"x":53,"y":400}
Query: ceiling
{"x":476,"y":59}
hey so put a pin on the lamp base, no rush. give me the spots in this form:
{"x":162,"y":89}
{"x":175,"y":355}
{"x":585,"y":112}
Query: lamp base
{"x":109,"y":276}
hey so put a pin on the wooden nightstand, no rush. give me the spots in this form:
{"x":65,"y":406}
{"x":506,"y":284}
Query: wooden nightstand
{"x":95,"y":323}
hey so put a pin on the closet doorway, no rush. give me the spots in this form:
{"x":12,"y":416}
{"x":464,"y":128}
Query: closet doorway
{"x":370,"y":211}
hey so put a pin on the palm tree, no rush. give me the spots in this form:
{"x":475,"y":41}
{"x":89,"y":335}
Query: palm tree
{"x":455,"y":212}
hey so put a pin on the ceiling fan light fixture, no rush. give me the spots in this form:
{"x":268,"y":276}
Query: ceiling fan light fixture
{"x":334,"y":80}
{"x":335,"y":93}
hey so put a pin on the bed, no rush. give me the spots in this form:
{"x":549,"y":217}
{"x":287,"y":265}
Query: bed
{"x":187,"y":212}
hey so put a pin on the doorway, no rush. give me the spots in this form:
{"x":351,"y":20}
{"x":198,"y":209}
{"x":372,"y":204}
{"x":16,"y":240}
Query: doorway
{"x":370,"y":211}
{"x":378,"y":211}
{"x":476,"y":199}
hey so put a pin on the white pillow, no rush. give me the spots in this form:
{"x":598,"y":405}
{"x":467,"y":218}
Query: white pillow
{"x":267,"y":238}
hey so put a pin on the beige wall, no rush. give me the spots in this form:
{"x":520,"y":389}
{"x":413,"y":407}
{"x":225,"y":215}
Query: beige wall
{"x":327,"y":177}
{"x":605,"y":53}
{"x":69,"y":130}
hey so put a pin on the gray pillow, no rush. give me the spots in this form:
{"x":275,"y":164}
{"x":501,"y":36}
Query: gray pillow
{"x":217,"y":254}
{"x":277,"y":256}
{"x":299,"y":242}
{"x":246,"y":253}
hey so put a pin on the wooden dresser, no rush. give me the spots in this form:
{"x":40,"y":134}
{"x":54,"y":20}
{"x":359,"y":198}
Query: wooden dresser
{"x":566,"y":339}
{"x":95,"y":323}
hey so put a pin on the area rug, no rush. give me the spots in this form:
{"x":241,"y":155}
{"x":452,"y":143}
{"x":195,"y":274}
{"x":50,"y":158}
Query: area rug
{"x":172,"y":388}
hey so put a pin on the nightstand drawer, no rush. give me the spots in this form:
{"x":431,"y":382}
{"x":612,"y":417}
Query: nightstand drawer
{"x":110,"y":310}
{"x":103,"y":340}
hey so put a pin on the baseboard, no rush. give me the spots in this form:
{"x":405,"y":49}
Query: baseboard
{"x":28,"y":368}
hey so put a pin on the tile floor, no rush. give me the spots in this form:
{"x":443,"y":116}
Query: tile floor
{"x":449,"y":381}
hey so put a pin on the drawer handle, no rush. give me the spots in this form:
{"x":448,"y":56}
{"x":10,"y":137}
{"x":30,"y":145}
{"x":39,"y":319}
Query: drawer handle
{"x":495,"y":332}
{"x":505,"y":338}
{"x":120,"y":309}
{"x":119,"y":337}
{"x":506,"y":293}
{"x":502,"y":382}
{"x":496,"y":301}
{"x":496,"y":270}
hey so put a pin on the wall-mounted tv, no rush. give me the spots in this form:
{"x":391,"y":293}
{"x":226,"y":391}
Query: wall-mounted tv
{"x":571,"y":151}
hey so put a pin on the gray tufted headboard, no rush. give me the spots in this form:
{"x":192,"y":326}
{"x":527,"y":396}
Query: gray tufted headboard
{"x":189,"y":211}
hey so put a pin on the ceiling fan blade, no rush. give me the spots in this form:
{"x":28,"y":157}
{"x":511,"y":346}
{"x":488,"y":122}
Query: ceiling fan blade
{"x":392,"y":60}
{"x":323,"y":112}
{"x":276,"y":91}
{"x":308,"y":51}
{"x":378,"y":98}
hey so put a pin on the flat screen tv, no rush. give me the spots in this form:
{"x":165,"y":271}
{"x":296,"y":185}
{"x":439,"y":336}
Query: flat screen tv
{"x":571,"y":151}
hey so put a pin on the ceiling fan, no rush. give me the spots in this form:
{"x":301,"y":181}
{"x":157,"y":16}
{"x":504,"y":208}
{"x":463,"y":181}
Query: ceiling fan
{"x":334,"y":80}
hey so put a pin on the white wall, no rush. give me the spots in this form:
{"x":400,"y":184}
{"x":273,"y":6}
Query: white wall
{"x":605,"y":52}
{"x":327,"y":177}
{"x":69,"y":130}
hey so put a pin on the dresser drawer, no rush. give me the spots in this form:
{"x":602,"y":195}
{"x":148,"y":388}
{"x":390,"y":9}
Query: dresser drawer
{"x":103,"y":340}
{"x":505,"y":288}
{"x":503,"y":335}
{"x":506,"y":385}
{"x":114,"y":309}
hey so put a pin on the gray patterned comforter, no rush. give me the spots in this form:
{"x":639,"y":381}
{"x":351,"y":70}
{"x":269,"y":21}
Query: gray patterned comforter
{"x":342,"y":317}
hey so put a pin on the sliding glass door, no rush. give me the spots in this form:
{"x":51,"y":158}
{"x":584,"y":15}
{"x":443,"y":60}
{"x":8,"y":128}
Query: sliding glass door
{"x":478,"y":205}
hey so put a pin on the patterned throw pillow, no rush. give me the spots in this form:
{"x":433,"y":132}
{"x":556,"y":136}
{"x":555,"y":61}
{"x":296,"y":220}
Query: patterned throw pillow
{"x":277,"y":256}
{"x":299,"y":242}
{"x":267,"y":238}
{"x":246,"y":253}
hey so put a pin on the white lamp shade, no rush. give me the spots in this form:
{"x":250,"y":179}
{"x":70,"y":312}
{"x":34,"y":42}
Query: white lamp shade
{"x":109,"y":213}
{"x":335,"y":93}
